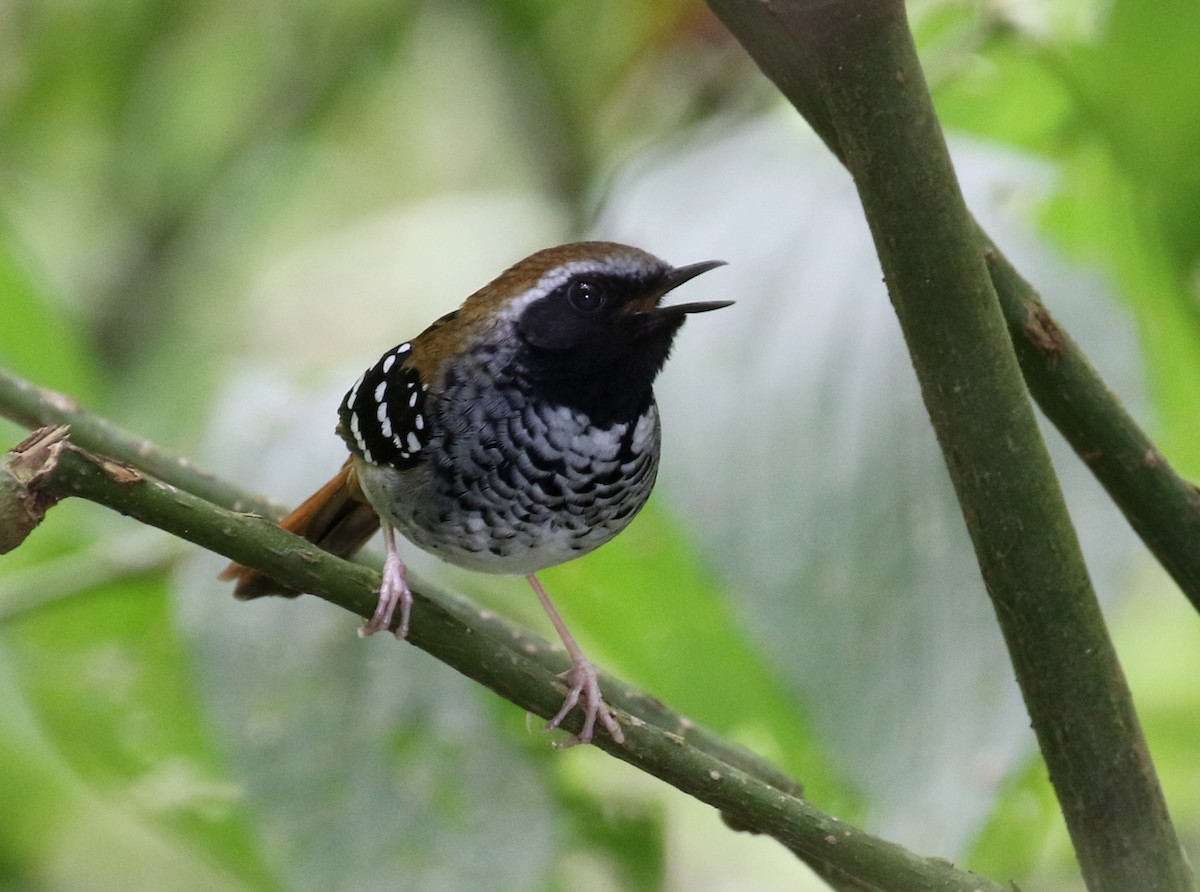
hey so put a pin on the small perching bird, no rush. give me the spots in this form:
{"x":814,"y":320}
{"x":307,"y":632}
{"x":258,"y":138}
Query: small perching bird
{"x":515,"y":433}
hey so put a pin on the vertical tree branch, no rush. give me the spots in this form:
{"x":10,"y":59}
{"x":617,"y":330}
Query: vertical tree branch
{"x":1162,"y":507}
{"x":878,"y":112}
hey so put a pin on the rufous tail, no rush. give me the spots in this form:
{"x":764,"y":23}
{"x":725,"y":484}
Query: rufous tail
{"x":337,"y":518}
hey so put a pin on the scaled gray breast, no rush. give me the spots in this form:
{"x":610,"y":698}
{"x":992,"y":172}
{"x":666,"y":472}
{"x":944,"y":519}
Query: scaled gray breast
{"x":514,"y":484}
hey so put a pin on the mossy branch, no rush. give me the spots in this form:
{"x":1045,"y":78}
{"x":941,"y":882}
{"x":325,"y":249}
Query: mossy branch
{"x":751,"y":794}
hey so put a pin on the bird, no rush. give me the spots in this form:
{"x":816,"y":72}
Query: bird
{"x":515,"y":433}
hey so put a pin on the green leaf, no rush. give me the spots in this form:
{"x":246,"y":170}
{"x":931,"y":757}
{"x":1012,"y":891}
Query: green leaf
{"x":37,"y":339}
{"x":105,"y":676}
{"x":60,"y":832}
{"x":1010,"y":94}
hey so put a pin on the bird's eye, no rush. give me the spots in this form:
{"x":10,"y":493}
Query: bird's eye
{"x":586,"y":296}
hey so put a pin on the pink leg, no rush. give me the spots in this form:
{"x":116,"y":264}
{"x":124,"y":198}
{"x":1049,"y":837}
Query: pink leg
{"x":393,"y":591}
{"x":581,"y":678}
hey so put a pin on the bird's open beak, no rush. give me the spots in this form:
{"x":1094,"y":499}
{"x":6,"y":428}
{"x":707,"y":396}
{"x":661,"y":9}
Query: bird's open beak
{"x":672,"y":280}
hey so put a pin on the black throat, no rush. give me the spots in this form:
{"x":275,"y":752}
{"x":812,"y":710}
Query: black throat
{"x":611,"y":390}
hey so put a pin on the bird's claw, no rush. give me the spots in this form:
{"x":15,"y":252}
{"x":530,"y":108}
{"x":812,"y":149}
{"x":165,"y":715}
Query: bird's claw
{"x":392,"y":592}
{"x":584,"y":686}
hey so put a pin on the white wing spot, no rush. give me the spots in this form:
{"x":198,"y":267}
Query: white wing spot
{"x":404,"y":348}
{"x":358,"y":437}
{"x":379,"y":391}
{"x":419,"y":422}
{"x":353,"y":394}
{"x":412,"y":399}
{"x":388,"y":362}
{"x":413,"y":443}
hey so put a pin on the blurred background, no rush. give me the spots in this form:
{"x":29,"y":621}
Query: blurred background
{"x":214,"y":215}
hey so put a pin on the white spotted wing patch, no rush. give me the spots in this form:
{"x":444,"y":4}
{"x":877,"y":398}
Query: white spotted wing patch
{"x":382,"y":418}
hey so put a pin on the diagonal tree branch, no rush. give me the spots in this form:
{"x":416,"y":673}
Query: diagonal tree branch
{"x":1162,"y":507}
{"x":32,"y":406}
{"x":751,"y":794}
{"x":877,"y":110}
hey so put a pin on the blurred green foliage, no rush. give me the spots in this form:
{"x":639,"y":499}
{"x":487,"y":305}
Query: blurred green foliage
{"x":157,"y":158}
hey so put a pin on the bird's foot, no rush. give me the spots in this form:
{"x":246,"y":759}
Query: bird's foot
{"x":584,"y":687}
{"x":392,"y":592}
